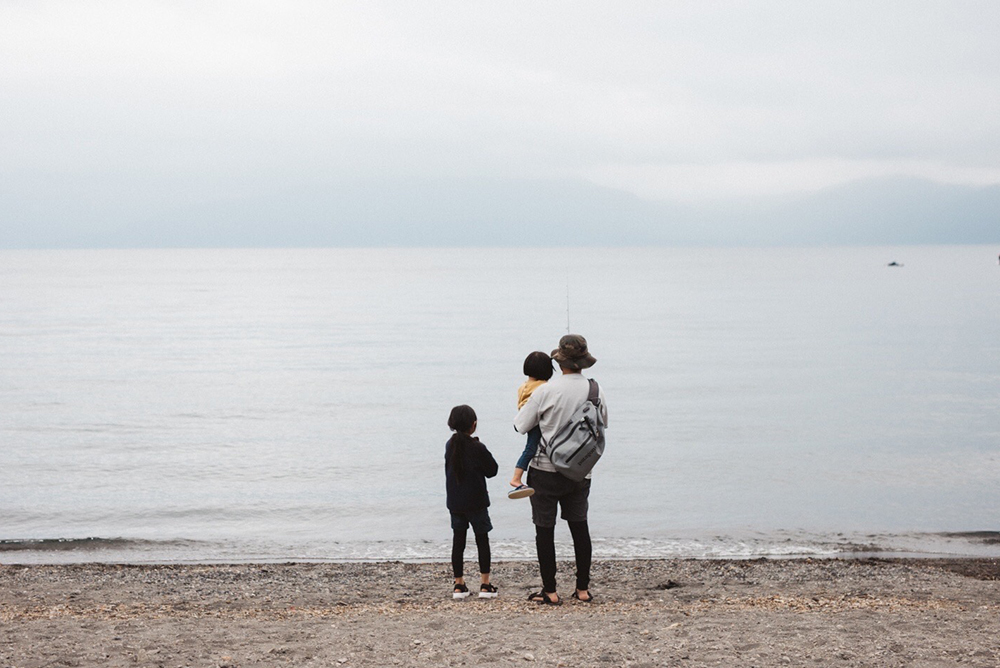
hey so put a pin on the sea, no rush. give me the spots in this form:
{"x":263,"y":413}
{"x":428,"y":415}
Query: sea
{"x":205,"y":406}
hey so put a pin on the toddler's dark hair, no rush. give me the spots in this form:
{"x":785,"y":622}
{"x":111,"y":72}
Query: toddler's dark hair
{"x":538,"y":365}
{"x":461,"y":419}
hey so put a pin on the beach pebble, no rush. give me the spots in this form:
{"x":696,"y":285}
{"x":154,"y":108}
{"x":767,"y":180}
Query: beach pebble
{"x":847,"y":612}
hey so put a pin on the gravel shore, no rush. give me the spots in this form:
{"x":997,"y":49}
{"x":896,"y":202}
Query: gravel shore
{"x":646,"y":613}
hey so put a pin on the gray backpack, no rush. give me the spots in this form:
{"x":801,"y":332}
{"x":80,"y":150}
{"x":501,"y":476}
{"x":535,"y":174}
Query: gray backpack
{"x":578,"y":445}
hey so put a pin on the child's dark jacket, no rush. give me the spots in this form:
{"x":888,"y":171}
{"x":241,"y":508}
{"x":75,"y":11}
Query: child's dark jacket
{"x":467,"y":484}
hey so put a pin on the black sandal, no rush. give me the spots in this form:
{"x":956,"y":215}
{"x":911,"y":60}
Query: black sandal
{"x":543,"y":598}
{"x":590,"y":599}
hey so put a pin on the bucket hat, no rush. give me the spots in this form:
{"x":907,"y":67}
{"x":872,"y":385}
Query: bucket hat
{"x":572,"y":353}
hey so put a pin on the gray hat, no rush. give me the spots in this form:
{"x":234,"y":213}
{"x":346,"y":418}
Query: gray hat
{"x":572,"y":353}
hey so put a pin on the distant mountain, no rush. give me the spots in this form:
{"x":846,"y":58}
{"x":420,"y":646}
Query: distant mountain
{"x":885,"y":211}
{"x":484,"y":212}
{"x":356,"y":212}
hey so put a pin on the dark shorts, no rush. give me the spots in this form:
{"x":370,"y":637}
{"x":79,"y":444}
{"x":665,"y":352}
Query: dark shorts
{"x":480,"y":521}
{"x":552,"y":489}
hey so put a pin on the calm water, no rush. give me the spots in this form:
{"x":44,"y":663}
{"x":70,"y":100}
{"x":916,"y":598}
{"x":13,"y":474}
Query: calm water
{"x":281,"y":404}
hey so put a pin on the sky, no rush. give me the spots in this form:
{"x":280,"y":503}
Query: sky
{"x":155,"y":113}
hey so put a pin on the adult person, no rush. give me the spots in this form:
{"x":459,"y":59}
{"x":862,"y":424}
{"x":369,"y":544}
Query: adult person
{"x":550,"y":407}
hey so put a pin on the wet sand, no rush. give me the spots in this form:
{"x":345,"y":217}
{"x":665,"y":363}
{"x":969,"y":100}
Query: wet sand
{"x":646,"y":613}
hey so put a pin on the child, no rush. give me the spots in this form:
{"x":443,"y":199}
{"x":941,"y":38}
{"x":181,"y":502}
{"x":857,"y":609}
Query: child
{"x":467,"y":464}
{"x":538,"y":369}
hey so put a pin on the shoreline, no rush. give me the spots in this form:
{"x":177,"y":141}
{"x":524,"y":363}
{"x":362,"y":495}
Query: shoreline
{"x":441,"y":561}
{"x":713,"y":545}
{"x":656,"y":612}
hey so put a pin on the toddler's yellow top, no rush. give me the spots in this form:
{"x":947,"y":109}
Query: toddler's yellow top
{"x":524,"y":392}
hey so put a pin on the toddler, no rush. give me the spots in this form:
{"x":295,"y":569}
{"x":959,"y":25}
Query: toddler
{"x":538,"y":369}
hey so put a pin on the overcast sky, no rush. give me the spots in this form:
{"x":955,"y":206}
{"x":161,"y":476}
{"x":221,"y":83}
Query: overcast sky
{"x":685,"y":101}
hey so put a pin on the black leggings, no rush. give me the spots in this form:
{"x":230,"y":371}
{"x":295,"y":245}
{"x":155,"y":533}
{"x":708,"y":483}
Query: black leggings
{"x":458,"y":553}
{"x":545,"y":543}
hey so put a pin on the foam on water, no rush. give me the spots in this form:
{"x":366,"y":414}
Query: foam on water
{"x":778,"y":546}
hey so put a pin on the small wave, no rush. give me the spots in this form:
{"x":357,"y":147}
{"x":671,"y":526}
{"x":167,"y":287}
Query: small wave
{"x":220,"y":416}
{"x":984,"y":537}
{"x":779,"y":545}
{"x":87,"y":544}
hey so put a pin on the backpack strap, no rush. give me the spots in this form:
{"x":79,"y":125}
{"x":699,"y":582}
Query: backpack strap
{"x":594,"y":389}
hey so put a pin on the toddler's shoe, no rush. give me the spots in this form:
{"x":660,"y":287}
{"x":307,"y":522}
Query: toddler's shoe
{"x":520,"y":492}
{"x":461,"y":591}
{"x":488,"y":591}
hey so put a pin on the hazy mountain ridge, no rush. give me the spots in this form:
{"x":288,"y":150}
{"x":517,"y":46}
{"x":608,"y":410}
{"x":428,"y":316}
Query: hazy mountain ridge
{"x":483,"y":212}
{"x":890,"y":211}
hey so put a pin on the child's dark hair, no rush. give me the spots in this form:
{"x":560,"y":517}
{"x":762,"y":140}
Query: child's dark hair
{"x":538,"y":365}
{"x":461,"y":419}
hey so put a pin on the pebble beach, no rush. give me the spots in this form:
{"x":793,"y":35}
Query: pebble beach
{"x":863,"y":612}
